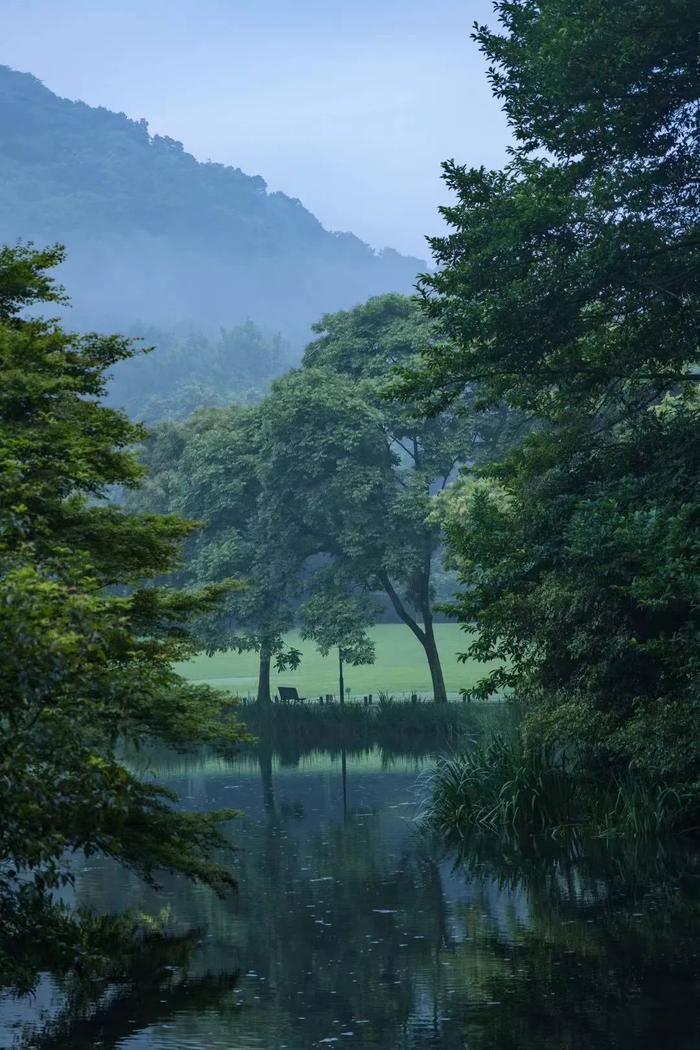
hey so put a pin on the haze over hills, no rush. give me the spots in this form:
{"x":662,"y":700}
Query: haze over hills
{"x":155,"y":236}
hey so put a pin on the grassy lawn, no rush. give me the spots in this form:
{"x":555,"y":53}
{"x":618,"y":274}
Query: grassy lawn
{"x":400,"y":666}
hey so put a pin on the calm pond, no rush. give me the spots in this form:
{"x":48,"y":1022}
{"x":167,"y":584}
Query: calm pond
{"x":351,"y":928}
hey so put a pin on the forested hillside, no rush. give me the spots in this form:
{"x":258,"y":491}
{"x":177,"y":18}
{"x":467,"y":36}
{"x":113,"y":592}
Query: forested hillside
{"x":154,"y":236}
{"x":187,"y":368}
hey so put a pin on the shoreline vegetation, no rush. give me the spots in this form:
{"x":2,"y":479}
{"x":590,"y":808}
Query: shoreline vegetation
{"x":503,"y":787}
{"x":88,"y":646}
{"x":393,"y":725}
{"x":486,"y":780}
{"x":566,"y":291}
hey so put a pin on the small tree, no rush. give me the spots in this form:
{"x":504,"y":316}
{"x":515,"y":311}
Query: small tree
{"x":334,"y":619}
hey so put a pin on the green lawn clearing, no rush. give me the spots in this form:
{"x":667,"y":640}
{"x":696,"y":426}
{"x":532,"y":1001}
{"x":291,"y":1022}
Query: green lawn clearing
{"x":400,"y":667}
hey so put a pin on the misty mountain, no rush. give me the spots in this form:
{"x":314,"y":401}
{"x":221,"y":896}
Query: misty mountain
{"x":157,"y":238}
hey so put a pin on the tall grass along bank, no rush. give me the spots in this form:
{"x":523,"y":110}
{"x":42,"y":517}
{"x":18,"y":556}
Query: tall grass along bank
{"x":503,"y":785}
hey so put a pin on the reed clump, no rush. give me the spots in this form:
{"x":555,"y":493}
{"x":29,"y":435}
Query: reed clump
{"x":499,"y":784}
{"x":503,"y":785}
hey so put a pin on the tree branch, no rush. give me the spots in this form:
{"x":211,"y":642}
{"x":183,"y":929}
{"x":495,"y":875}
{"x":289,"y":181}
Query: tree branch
{"x":401,"y":608}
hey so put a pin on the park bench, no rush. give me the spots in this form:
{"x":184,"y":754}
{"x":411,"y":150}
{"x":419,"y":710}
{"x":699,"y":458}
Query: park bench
{"x":289,"y":695}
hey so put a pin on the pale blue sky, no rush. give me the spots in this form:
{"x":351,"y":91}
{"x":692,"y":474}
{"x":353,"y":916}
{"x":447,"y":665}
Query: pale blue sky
{"x":349,"y":105}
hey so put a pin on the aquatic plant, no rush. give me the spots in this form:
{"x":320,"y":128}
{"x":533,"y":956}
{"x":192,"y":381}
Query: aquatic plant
{"x":644,"y":810}
{"x":502,"y":784}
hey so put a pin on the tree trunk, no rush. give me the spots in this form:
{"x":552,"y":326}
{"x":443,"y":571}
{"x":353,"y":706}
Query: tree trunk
{"x":341,"y":681}
{"x":431,"y":651}
{"x":264,"y":695}
{"x":425,"y":635}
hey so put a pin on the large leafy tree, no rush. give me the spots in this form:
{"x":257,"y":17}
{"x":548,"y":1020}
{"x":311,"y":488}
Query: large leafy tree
{"x":209,"y":468}
{"x":568,"y":286}
{"x":325,"y":472}
{"x":87,"y":644}
{"x":570,"y":277}
{"x":399,"y":542}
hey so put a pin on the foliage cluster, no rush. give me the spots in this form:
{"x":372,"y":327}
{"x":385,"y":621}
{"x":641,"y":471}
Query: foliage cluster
{"x":87,"y":643}
{"x":396,"y":727}
{"x":507,"y":787}
{"x":321,"y":495}
{"x":209,"y":468}
{"x":190,"y":369}
{"x":567,"y":289}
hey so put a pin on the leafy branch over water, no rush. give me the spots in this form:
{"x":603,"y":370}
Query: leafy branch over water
{"x":88,"y":643}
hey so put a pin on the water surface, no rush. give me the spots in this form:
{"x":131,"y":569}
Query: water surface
{"x":351,"y":928}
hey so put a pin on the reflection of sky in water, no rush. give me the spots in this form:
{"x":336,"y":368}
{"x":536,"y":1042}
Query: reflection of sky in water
{"x":351,"y":929}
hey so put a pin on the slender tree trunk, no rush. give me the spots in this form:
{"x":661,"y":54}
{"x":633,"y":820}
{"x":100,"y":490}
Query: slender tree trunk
{"x":425,"y":635}
{"x":264,"y":695}
{"x":431,"y":651}
{"x":341,"y":680}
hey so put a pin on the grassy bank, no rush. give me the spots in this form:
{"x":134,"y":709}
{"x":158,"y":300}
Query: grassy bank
{"x":393,"y":726}
{"x":400,"y":667}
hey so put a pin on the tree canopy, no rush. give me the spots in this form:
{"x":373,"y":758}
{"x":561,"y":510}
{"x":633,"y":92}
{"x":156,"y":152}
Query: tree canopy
{"x":209,"y":468}
{"x":328,"y":471}
{"x":399,"y":539}
{"x":88,"y":642}
{"x":567,"y":288}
